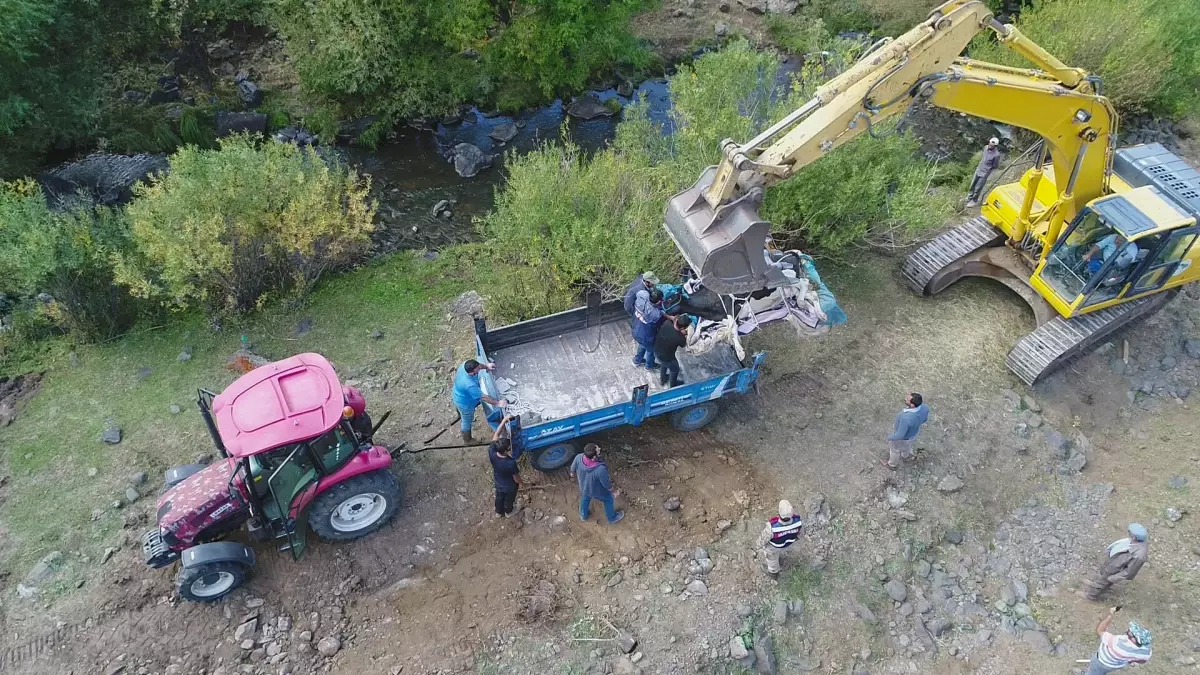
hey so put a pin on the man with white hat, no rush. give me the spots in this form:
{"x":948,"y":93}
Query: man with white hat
{"x":987,"y":164}
{"x":1125,"y":558}
{"x":781,"y":532}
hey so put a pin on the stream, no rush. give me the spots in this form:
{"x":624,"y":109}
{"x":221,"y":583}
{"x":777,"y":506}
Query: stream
{"x":411,"y":172}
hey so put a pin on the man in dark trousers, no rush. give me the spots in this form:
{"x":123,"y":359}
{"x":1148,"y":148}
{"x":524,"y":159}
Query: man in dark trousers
{"x":1124,"y":559}
{"x":595,"y":483}
{"x":987,"y":164}
{"x":671,"y":336}
{"x":647,"y":315}
{"x":505,"y":474}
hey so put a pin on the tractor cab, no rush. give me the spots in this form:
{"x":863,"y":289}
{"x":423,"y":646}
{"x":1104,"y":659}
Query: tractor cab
{"x":1132,"y":243}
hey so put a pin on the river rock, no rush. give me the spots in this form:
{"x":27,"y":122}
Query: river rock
{"x":504,"y":132}
{"x":1192,"y":348}
{"x":721,"y":30}
{"x":469,"y":160}
{"x":697,"y":587}
{"x":782,"y":6}
{"x":780,"y":612}
{"x":1077,"y":461}
{"x":250,"y":94}
{"x":1059,"y":447}
{"x":625,"y":88}
{"x":111,"y":435}
{"x":99,"y":179}
{"x":754,"y":6}
{"x":245,"y":630}
{"x":953,"y":536}
{"x":764,"y":655}
{"x":1038,"y":640}
{"x":896,"y":590}
{"x":737,"y":648}
{"x":950,"y":484}
{"x":44,"y":569}
{"x":329,"y":646}
{"x":240,"y":122}
{"x":588,"y":107}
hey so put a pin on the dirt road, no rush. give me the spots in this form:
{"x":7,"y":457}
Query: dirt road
{"x":984,"y":537}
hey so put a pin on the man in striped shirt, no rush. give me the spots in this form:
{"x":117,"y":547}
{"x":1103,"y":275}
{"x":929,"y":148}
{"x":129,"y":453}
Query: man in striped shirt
{"x":781,"y":532}
{"x":1118,"y":651}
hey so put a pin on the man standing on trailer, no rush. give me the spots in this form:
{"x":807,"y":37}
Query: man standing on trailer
{"x":987,"y":164}
{"x":671,"y":336}
{"x":642,"y":285}
{"x":468,"y":393}
{"x":647,"y":315}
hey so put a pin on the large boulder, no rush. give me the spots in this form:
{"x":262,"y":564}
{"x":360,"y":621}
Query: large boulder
{"x":504,"y":132}
{"x":588,"y":107}
{"x":251,"y":95}
{"x":99,"y":178}
{"x":782,"y":6}
{"x":237,"y":122}
{"x":469,"y":160}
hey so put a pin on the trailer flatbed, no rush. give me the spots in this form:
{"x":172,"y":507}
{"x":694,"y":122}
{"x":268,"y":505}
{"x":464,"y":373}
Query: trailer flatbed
{"x":571,"y":374}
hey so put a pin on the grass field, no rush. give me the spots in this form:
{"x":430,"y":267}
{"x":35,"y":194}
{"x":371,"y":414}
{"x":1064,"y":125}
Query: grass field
{"x":50,"y":500}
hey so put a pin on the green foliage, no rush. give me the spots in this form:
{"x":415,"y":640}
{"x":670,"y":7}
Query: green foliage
{"x":424,"y":57}
{"x":67,"y":256}
{"x":869,"y":189}
{"x":565,"y":223}
{"x":1180,"y":94}
{"x":194,"y":131}
{"x":1126,"y":42}
{"x":219,"y":13}
{"x":840,"y":15}
{"x":797,"y":34}
{"x":225,"y":228}
{"x":53,"y":54}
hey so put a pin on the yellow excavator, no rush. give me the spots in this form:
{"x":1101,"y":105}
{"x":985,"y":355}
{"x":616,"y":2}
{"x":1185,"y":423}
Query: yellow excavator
{"x":1092,"y":237}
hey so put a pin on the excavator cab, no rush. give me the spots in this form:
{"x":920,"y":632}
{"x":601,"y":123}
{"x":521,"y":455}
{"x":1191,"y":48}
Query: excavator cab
{"x":1130,"y":243}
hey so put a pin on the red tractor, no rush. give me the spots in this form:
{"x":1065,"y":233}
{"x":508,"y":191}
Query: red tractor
{"x":296,"y":452}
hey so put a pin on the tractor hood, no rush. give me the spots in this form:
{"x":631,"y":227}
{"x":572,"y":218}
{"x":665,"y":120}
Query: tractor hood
{"x":197,"y":502}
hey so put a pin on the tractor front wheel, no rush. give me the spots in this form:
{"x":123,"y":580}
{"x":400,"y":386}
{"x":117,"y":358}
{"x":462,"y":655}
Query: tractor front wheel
{"x":356,"y":507}
{"x":211,"y":581}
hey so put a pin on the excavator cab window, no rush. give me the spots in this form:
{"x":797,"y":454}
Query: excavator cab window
{"x":1088,"y":249}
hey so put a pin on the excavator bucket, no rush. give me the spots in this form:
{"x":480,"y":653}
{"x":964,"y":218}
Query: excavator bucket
{"x":725,"y":247}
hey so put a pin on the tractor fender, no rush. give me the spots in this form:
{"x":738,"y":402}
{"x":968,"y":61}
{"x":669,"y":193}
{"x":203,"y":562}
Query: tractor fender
{"x":177,"y":474}
{"x":218,"y":551}
{"x":374,"y":459}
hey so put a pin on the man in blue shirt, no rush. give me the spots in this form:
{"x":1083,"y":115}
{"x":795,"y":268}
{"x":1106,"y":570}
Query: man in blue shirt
{"x":1126,"y":252}
{"x":467,"y":394}
{"x":908,"y":423}
{"x":647,"y":315}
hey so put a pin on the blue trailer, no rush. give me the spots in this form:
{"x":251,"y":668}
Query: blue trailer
{"x":571,"y":374}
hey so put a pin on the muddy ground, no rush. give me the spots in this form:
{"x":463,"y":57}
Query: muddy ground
{"x":447,"y":589}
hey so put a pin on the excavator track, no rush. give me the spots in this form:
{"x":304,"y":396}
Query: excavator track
{"x":947,"y":248}
{"x":1058,"y":342}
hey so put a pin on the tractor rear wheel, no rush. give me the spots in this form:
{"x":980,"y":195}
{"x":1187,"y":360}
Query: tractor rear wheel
{"x":211,"y":581}
{"x":356,"y":507}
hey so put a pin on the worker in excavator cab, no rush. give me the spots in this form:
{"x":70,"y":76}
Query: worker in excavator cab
{"x":1114,"y":243}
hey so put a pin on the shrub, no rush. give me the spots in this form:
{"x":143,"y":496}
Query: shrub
{"x":1125,"y":42}
{"x":409,"y":58}
{"x":225,"y":228}
{"x":1180,"y":94}
{"x":565,"y":223}
{"x":67,"y":256}
{"x":868,"y":191}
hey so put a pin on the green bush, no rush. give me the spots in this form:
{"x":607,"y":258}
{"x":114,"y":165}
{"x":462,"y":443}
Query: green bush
{"x":869,"y":190}
{"x":1180,"y":93}
{"x":225,"y":229}
{"x":1125,"y":42}
{"x":565,"y":223}
{"x":66,"y":255}
{"x":409,"y":58}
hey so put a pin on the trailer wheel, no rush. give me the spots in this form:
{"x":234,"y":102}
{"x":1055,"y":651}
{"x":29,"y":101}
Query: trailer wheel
{"x":695,"y":417}
{"x":554,"y":457}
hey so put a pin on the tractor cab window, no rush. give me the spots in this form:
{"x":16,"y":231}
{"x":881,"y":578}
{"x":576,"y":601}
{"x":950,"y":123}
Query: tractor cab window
{"x":334,"y":448}
{"x":1092,"y":254}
